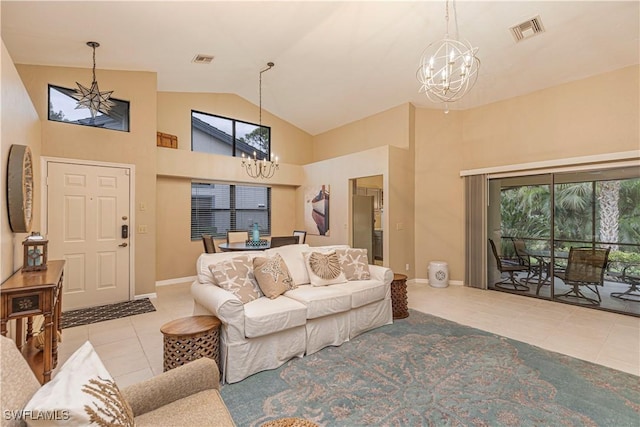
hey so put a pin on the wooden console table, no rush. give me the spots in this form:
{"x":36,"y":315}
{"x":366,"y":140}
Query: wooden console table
{"x":28,"y":294}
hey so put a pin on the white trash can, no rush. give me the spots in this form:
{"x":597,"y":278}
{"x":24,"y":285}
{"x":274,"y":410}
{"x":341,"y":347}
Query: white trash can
{"x":438,"y":274}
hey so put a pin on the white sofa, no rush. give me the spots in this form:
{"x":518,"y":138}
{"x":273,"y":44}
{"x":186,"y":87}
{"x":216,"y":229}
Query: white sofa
{"x":265,"y":333}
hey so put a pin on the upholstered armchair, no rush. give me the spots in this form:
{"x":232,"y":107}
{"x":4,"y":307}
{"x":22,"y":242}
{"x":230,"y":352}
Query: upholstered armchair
{"x":187,"y":395}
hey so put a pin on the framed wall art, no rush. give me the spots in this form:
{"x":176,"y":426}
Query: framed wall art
{"x":316,"y":210}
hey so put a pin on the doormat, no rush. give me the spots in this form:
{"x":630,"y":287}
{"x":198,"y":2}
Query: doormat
{"x":86,"y":316}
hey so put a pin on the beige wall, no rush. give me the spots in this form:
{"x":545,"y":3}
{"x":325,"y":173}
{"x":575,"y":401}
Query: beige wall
{"x":176,"y":169}
{"x":400,"y":213}
{"x":598,"y":115}
{"x":175,"y":251}
{"x":419,"y":152}
{"x":137,"y":147}
{"x":439,"y":196}
{"x":391,"y":163}
{"x":351,"y":151}
{"x":289,"y":143}
{"x":591,"y":116}
{"x":390,"y":127}
{"x":20,"y":125}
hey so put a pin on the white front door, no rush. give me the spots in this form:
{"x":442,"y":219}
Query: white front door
{"x":86,"y":209}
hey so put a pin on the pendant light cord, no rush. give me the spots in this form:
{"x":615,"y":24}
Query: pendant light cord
{"x":269,"y":66}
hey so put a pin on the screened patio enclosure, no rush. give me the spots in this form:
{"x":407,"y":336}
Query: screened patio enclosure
{"x":572,"y":237}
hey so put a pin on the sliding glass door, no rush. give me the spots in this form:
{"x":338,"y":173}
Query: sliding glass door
{"x":519,"y":219}
{"x":572,"y":237}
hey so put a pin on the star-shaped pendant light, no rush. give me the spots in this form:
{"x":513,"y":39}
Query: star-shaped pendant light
{"x":92,"y":98}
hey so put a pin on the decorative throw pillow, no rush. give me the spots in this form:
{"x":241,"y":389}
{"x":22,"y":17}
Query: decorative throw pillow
{"x":82,"y":393}
{"x":324,"y":268}
{"x":236,"y":276}
{"x":273,"y":275}
{"x":354,"y":263}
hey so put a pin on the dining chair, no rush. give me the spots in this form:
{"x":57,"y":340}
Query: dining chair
{"x":237,"y":236}
{"x":302,"y":235}
{"x":585,"y":269}
{"x":277,"y":241}
{"x":511,"y":267}
{"x":209,"y":244}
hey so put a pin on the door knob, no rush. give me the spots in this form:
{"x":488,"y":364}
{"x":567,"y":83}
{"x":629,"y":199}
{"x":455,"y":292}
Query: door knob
{"x":124,"y":245}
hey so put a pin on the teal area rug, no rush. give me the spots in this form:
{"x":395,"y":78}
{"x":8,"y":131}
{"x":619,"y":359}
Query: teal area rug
{"x":427,"y":371}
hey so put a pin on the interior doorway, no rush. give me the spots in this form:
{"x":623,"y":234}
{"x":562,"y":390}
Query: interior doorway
{"x":367,"y":216}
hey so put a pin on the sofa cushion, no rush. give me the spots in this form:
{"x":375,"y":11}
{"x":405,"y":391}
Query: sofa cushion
{"x":82,"y":392}
{"x":364,"y":292}
{"x":292,"y":255}
{"x":205,"y":260}
{"x":323,"y":268}
{"x":354,"y":263}
{"x":265,"y":316}
{"x":273,"y":275}
{"x":205,"y":408}
{"x":321,"y":300}
{"x":236,"y":276}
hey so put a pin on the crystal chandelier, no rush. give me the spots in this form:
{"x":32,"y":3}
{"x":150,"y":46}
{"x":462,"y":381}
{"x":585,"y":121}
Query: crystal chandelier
{"x":255,"y":167}
{"x":448,"y":68}
{"x":92,"y":98}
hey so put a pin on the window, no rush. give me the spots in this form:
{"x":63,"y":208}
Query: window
{"x":62,"y":108}
{"x":220,"y":135}
{"x":216,"y":208}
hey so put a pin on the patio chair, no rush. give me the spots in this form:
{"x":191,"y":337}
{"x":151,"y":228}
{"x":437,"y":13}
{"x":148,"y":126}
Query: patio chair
{"x":209,"y":244}
{"x":537,"y":268}
{"x":585,"y":269}
{"x":237,"y":236}
{"x":302,"y":235}
{"x":624,"y":273}
{"x":524,"y":258}
{"x":511,"y":267}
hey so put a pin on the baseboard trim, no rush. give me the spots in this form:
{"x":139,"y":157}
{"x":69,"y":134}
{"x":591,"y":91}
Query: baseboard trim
{"x":143,"y":296}
{"x":175,"y":281}
{"x":426,"y":281}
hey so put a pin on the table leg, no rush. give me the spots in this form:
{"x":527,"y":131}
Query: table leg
{"x":48,"y":342}
{"x":29,"y":328}
{"x":19,"y":336}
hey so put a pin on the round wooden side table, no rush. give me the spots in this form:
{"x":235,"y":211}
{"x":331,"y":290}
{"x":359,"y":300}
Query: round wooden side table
{"x":191,"y":338}
{"x":399,"y":301}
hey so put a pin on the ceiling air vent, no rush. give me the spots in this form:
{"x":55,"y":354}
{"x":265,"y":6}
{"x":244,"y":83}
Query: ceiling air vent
{"x":527,"y":29}
{"x":202,"y":59}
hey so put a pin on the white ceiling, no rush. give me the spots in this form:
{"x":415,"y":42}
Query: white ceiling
{"x":335,"y":62}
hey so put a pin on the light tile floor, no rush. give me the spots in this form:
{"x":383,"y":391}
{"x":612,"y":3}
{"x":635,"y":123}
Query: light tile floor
{"x":131,"y":348}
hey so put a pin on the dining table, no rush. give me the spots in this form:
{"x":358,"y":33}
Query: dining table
{"x":543,"y":266}
{"x":244,"y":246}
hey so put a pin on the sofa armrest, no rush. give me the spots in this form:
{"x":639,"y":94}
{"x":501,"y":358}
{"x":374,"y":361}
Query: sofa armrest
{"x":222,"y":304}
{"x":381,"y":273}
{"x":175,"y":384}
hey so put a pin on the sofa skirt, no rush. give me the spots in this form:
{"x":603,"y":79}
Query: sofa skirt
{"x":241,"y":359}
{"x":370,"y":316}
{"x":325,"y":331}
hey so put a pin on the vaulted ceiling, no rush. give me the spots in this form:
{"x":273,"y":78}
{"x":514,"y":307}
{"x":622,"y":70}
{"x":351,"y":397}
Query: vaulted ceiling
{"x":335,"y":62}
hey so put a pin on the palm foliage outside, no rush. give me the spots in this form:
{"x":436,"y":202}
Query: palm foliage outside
{"x":602,"y":213}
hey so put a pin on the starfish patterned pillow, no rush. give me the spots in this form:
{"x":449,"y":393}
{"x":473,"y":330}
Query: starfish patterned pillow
{"x":236,"y":276}
{"x":354,"y":263}
{"x":272,"y":275}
